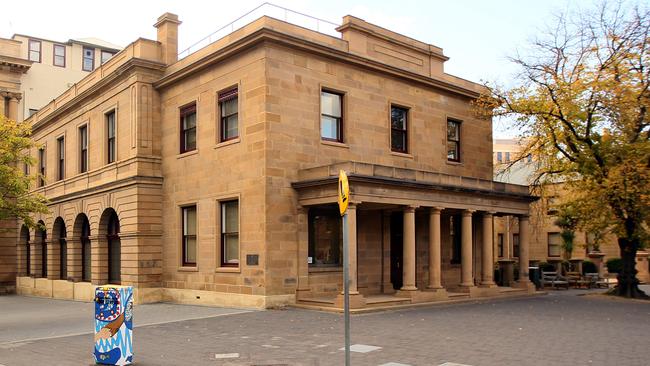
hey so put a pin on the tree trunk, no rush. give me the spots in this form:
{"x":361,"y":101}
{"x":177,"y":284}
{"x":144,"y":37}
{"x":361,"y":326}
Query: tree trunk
{"x":628,"y":284}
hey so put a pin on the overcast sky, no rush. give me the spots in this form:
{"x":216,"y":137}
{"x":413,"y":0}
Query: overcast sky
{"x":476,"y":35}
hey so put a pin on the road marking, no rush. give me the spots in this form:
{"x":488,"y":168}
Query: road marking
{"x":221,"y":356}
{"x":453,"y":364}
{"x":394,"y":364}
{"x":361,"y":348}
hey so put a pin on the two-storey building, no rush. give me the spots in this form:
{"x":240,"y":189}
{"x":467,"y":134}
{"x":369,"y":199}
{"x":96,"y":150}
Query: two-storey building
{"x":213,"y":179}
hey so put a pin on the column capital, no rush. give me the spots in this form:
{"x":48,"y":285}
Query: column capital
{"x":410,"y":208}
{"x":468,"y":212}
{"x":436,"y":210}
{"x":489,"y":213}
{"x":523,"y":217}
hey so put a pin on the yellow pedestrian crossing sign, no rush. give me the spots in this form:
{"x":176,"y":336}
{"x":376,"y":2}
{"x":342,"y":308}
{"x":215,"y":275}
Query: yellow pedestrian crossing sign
{"x":344,"y":192}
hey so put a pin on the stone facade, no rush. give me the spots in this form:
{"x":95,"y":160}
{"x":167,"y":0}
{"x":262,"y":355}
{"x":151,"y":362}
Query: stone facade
{"x":407,"y":207}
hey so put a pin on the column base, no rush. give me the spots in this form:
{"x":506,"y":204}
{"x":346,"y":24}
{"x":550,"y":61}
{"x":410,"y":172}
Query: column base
{"x":357,"y":301}
{"x":482,"y":291}
{"x":302,"y":293}
{"x":465,"y":288}
{"x":488,"y":284}
{"x":527,"y":285}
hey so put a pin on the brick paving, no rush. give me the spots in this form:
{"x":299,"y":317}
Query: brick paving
{"x":559,"y":329}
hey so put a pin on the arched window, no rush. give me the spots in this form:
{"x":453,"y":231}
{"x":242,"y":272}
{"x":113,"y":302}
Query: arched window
{"x":114,"y":250}
{"x":42,"y":234}
{"x":24,"y":241}
{"x":60,"y":235}
{"x":85,"y":250}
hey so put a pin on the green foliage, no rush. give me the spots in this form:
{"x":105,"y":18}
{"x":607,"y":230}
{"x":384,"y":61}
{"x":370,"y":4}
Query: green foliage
{"x":567,"y":220}
{"x":614,"y":265}
{"x":589,"y":267}
{"x":15,"y":198}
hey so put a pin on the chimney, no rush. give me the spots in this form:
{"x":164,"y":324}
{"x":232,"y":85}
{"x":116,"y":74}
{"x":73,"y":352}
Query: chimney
{"x":167,"y":25}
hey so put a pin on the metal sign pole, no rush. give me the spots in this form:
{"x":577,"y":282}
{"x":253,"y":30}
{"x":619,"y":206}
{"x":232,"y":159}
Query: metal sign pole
{"x":346,"y":289}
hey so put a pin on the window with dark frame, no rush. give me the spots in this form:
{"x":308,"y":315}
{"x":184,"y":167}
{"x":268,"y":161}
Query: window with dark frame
{"x":500,"y":157}
{"x":105,"y":56}
{"x":41,"y":167}
{"x":60,"y":142}
{"x":59,"y":55}
{"x":188,"y":128}
{"x":229,"y":233}
{"x":500,"y":245}
{"x":110,"y":133}
{"x":554,"y":245}
{"x":453,"y":140}
{"x":507,"y":156}
{"x":325,"y":238}
{"x":229,"y":115}
{"x":189,"y":236}
{"x":83,"y":149}
{"x":331,"y":120}
{"x":88,"y":62}
{"x":34,"y":50}
{"x":515,"y":245}
{"x":398,"y":129}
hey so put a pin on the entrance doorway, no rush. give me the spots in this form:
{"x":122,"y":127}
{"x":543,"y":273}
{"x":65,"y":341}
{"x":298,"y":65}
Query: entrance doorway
{"x":396,"y":248}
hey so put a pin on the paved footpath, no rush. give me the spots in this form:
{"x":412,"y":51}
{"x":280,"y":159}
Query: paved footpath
{"x":561,"y":328}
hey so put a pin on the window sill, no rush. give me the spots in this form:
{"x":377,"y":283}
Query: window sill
{"x":324,"y":269}
{"x":335,"y":144}
{"x":401,"y":154}
{"x":186,"y":154}
{"x":450,"y":162}
{"x":228,"y":270}
{"x":188,"y":269}
{"x":228,"y":142}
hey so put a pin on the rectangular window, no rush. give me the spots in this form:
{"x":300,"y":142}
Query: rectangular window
{"x":507,"y":156}
{"x":189,"y":236}
{"x":515,"y":245}
{"x":453,"y":140}
{"x":500,"y":157}
{"x":331,"y":118}
{"x":325,"y":238}
{"x":60,"y":142}
{"x":229,"y":111}
{"x":59,"y":55}
{"x":105,"y":56}
{"x":88,"y":62}
{"x":230,"y":233}
{"x":188,"y":128}
{"x":500,"y":244}
{"x":110,"y":133}
{"x":83,"y":149}
{"x":34,"y":50}
{"x":41,"y":167}
{"x":398,"y":132}
{"x":554,"y":245}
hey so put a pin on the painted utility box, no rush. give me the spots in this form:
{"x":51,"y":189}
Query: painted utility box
{"x":113,"y":325}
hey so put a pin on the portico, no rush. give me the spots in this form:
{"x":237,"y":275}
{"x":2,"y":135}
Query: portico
{"x":413,"y":239}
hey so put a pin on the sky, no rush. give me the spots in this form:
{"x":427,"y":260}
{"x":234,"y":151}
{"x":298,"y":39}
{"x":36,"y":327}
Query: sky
{"x":478,"y":36}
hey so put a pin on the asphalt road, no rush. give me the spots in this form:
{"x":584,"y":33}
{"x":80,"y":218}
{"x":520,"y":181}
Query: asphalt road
{"x":561,"y":328}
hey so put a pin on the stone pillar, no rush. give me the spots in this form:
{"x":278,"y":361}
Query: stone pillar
{"x":643,"y":272}
{"x":356,"y":299}
{"x":487,"y":265}
{"x":21,"y":259}
{"x":524,"y":244}
{"x":35,"y":263}
{"x":408,"y":283}
{"x":302,"y":233}
{"x":435,"y":273}
{"x":53,"y":259}
{"x":74,"y":259}
{"x":99,"y":260}
{"x":466,"y":278}
{"x":2,"y":104}
{"x":597,"y":258}
{"x":12,"y":112}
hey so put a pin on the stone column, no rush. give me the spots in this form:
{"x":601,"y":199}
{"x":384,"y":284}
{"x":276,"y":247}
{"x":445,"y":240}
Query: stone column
{"x":99,"y":260}
{"x":74,"y":259}
{"x":466,"y":279}
{"x":53,"y":259}
{"x":2,"y":104}
{"x":408,"y":274}
{"x":35,"y":259}
{"x":524,"y":243}
{"x":12,"y":112}
{"x":434,"y":249}
{"x":487,"y":266}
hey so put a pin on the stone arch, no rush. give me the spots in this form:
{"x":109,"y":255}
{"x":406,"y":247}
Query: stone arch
{"x":40,"y":250}
{"x":81,"y":236}
{"x":59,"y":249}
{"x":109,"y":238}
{"x":25,"y":252}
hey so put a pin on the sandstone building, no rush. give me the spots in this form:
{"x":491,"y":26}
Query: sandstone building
{"x":212,"y":179}
{"x":33,"y":71}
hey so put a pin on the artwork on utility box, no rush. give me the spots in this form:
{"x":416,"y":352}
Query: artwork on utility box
{"x":113,"y":325}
